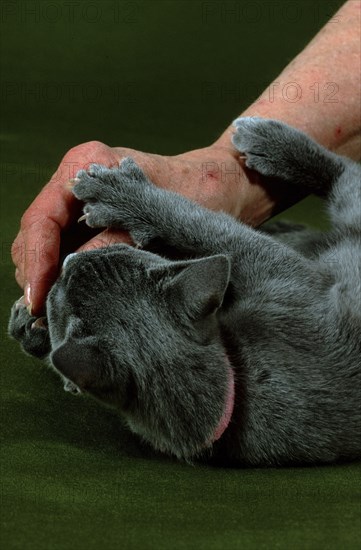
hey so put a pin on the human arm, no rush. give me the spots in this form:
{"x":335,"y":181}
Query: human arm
{"x":319,"y":92}
{"x":213,"y":176}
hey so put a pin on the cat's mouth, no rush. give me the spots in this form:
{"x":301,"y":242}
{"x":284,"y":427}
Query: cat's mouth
{"x":228,"y":409}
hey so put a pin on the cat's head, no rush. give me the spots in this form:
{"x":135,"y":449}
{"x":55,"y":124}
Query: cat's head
{"x":141,"y":333}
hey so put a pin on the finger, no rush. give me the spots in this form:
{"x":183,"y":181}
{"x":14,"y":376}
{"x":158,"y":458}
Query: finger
{"x":37,"y":250}
{"x":40,"y":261}
{"x":107,"y":238}
{"x":19,"y":279}
{"x":45,"y":271}
{"x":17,"y":256}
{"x":40,"y":254}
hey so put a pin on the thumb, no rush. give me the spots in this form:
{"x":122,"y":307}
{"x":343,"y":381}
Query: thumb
{"x":106,"y":238}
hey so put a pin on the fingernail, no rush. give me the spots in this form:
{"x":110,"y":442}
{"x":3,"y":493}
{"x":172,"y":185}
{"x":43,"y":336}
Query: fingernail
{"x":27,"y":297}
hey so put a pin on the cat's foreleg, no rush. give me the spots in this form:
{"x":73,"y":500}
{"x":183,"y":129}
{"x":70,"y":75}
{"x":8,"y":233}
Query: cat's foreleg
{"x":124,"y":198}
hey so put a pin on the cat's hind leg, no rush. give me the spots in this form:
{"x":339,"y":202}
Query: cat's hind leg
{"x":277,"y":150}
{"x":30,"y":331}
{"x":344,"y":204}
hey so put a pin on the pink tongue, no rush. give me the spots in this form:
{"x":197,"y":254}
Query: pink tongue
{"x":226,"y":417}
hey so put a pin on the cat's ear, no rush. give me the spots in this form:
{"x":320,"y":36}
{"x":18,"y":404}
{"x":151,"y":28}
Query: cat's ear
{"x":80,"y":360}
{"x":198,"y":286}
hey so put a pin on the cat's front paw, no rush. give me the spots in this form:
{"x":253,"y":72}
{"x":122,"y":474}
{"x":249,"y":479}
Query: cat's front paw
{"x":115,"y":197}
{"x":32,"y":332}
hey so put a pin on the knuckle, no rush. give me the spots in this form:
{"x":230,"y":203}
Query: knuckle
{"x":80,"y":157}
{"x":85,"y":149}
{"x":31,"y":218}
{"x":16,"y":250}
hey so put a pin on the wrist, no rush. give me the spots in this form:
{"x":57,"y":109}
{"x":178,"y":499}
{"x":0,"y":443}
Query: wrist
{"x":212,"y":176}
{"x":259,"y":198}
{"x":256,"y":202}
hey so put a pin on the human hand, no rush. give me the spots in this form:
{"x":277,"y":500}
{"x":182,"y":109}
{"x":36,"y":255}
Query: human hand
{"x":212,"y":176}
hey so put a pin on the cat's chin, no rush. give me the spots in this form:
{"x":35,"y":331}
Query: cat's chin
{"x":228,"y":409}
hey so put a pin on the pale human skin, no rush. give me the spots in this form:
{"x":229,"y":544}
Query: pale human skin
{"x":318,"y":92}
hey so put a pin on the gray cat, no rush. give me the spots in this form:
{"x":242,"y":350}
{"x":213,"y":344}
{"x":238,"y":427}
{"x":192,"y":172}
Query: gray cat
{"x":247,"y":349}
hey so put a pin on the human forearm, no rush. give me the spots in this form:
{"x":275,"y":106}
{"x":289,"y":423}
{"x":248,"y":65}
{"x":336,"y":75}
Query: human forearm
{"x":325,"y":99}
{"x":319,"y":93}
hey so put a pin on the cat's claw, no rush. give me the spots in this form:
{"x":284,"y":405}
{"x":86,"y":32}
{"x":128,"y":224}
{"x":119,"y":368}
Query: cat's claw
{"x":83,"y":217}
{"x":72,"y":181}
{"x":40,"y":322}
{"x":112,"y":196}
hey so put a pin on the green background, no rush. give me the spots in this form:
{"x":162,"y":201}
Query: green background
{"x":165,"y":77}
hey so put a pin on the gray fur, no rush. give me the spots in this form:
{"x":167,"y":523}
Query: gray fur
{"x":152,"y":336}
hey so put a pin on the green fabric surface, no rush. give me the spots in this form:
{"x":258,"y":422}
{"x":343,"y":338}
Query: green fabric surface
{"x":166,"y":77}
